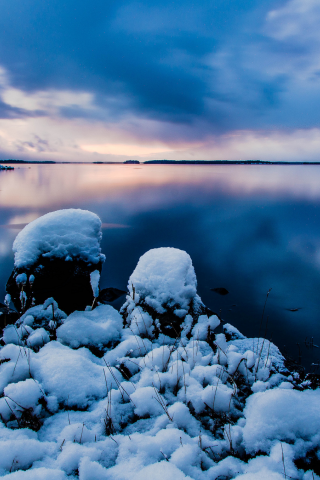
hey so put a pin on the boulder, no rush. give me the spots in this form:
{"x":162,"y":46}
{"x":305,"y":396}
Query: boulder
{"x":55,"y":256}
{"x":163,"y":294}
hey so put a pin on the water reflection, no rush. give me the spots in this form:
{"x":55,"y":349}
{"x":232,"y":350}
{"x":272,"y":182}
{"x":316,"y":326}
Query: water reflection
{"x":247,"y":228}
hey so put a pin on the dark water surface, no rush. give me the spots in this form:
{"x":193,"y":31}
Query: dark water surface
{"x":246,"y":228}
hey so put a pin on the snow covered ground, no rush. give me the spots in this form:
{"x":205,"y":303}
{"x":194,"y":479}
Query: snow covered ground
{"x":96,"y":396}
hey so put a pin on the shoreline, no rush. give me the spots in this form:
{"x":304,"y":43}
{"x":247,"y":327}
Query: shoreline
{"x":159,"y":162}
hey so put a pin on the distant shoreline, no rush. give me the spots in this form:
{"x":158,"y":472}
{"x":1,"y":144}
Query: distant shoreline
{"x":160,"y":162}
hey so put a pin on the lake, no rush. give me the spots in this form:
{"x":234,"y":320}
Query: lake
{"x":247,"y":228}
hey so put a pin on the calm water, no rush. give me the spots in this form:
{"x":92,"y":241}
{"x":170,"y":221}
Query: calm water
{"x":247,"y":228}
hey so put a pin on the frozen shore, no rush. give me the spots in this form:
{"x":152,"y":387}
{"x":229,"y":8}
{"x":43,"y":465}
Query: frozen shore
{"x":161,"y":389}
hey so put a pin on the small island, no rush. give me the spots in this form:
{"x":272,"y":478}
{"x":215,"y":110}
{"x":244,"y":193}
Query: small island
{"x":5,"y":167}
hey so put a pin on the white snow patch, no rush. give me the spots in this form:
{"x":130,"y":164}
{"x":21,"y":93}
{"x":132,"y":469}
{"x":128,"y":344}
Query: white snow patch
{"x":69,"y":234}
{"x":281,"y":414}
{"x":97,"y":327}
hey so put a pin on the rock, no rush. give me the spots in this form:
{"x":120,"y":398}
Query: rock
{"x":54,"y":257}
{"x":110,"y":294}
{"x":163,"y":294}
{"x":7,"y":316}
{"x":5,"y":167}
{"x":232,"y":333}
{"x":220,"y":290}
{"x":312,"y":381}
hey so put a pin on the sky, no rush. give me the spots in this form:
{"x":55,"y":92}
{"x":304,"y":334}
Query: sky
{"x":110,"y":80}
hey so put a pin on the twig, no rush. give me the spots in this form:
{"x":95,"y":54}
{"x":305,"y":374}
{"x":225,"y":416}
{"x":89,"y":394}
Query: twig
{"x":264,"y":307}
{"x":81,"y":433}
{"x":161,"y":403}
{"x":284,"y":468}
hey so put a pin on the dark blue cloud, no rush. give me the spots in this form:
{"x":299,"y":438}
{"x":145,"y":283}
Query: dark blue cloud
{"x":175,"y":61}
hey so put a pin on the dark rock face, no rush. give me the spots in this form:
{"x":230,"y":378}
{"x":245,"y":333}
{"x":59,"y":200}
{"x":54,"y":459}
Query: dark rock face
{"x":220,"y":290}
{"x":68,"y":282}
{"x":7,"y":316}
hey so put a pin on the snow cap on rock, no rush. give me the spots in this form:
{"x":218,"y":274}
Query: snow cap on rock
{"x":69,"y":234}
{"x":164,"y":276}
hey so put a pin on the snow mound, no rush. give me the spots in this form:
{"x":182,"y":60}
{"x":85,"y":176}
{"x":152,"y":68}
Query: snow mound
{"x":164,"y":276}
{"x":71,"y":375}
{"x":36,"y":326}
{"x":282,"y":414}
{"x":163,"y":295}
{"x":97,"y":327}
{"x":69,"y":234}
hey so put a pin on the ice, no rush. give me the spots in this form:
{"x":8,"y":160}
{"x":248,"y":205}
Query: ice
{"x":69,"y":234}
{"x":94,"y":280}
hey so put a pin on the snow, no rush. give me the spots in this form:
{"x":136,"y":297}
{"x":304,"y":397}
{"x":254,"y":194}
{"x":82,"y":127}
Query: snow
{"x":25,"y":395}
{"x":70,"y":375}
{"x":98,"y":327}
{"x":233,"y":332}
{"x":161,"y":470}
{"x":200,"y":330}
{"x":94,"y":280}
{"x":7,"y":300}
{"x":69,"y":234}
{"x":164,"y":276}
{"x":21,"y":279}
{"x":282,"y":414}
{"x":106,"y":398}
{"x":37,"y":474}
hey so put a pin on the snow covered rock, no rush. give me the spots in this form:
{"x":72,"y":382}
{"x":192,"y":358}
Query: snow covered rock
{"x":36,"y":327}
{"x":54,"y":257}
{"x":162,"y":293}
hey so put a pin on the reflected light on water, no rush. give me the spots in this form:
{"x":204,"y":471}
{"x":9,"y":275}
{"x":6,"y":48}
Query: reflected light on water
{"x":55,"y":185}
{"x":246,"y":228}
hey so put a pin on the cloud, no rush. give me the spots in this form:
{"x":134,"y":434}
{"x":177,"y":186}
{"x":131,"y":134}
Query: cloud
{"x":153,"y":54}
{"x":157,"y":74}
{"x":8,"y":111}
{"x":297,"y":19}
